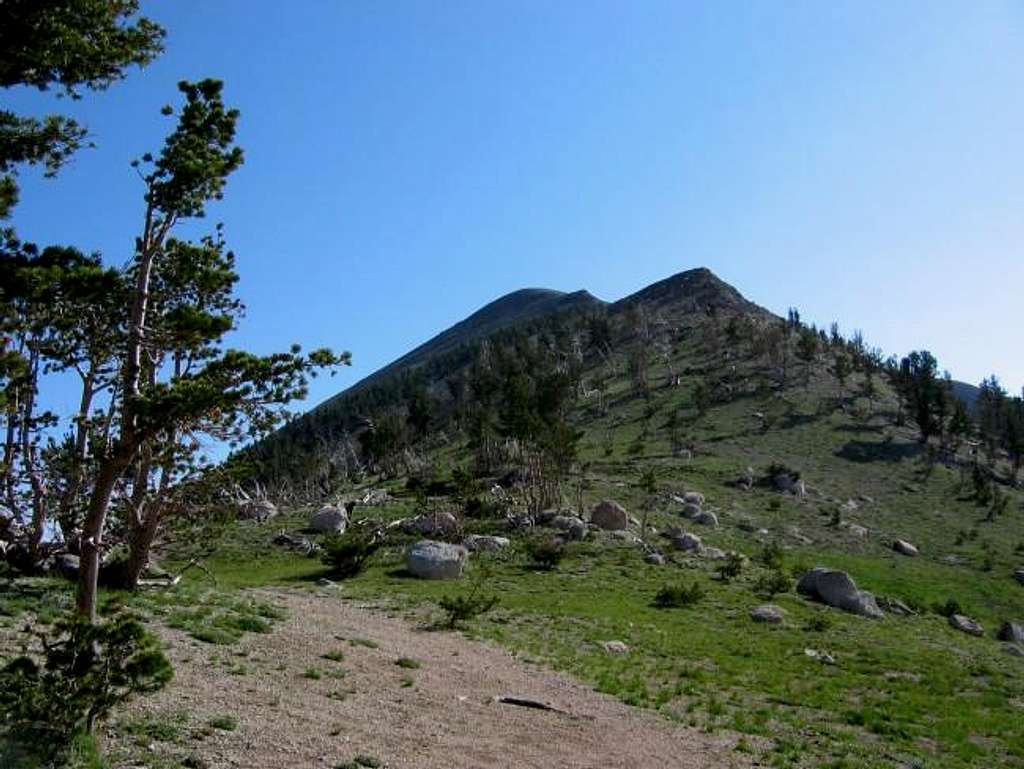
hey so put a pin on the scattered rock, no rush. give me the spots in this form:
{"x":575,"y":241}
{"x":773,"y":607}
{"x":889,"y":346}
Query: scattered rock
{"x":690,"y":510}
{"x":825,"y":657}
{"x":480,"y":543}
{"x":610,"y":516}
{"x":857,"y":530}
{"x":706,"y":517}
{"x":895,"y":606}
{"x":768,"y":613}
{"x":436,"y":560}
{"x":575,"y":529}
{"x":257,"y":510}
{"x":655,"y":559}
{"x":966,"y":625}
{"x":693,"y":498}
{"x":431,"y":525}
{"x":851,"y":505}
{"x":615,"y":647}
{"x":329,"y":518}
{"x":375,"y":497}
{"x":795,"y":533}
{"x":746,"y":481}
{"x":687,"y":542}
{"x":903,"y":547}
{"x":625,"y":536}
{"x":1012,"y":632}
{"x":837,"y":589}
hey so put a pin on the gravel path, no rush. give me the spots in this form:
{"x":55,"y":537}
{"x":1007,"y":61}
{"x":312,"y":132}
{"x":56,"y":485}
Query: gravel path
{"x":442,"y":714}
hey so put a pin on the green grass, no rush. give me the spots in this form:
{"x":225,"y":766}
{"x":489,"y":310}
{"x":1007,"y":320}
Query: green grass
{"x":408,"y":663}
{"x":225,"y":723}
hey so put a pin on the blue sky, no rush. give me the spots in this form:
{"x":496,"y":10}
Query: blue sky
{"x":407,"y":162}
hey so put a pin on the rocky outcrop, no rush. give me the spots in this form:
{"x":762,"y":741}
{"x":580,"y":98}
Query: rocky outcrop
{"x":837,"y":588}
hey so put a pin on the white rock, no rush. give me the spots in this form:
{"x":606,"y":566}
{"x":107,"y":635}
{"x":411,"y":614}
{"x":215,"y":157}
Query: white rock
{"x":436,"y":560}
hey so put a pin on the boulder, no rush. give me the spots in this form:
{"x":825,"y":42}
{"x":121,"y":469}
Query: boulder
{"x":435,"y":560}
{"x":655,"y":559}
{"x":329,"y":519}
{"x":784,"y":482}
{"x":687,"y":542}
{"x":575,"y":529}
{"x":479,"y":543}
{"x":966,"y":625}
{"x":1012,"y":632}
{"x":431,"y":525}
{"x":837,"y":589}
{"x":903,"y":547}
{"x":693,"y":498}
{"x":690,"y":510}
{"x":706,"y":517}
{"x":610,"y":516}
{"x":257,"y":510}
{"x":768,"y":613}
{"x":67,"y":565}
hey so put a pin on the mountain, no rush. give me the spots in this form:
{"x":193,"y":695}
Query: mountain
{"x":693,"y":291}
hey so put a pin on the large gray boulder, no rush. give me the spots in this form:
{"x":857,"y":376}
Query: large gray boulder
{"x":329,"y":519}
{"x":257,"y":510}
{"x":574,"y":528}
{"x":837,"y":588}
{"x":610,"y":516}
{"x":435,"y":560}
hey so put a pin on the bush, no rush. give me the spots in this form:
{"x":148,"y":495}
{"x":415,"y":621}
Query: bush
{"x":465,"y":607}
{"x":347,"y":554}
{"x":545,"y":553}
{"x":85,"y":672}
{"x":772,"y":556}
{"x":948,"y":609}
{"x":819,"y":623}
{"x":483,"y":508}
{"x":732,"y":566}
{"x":679,"y":596}
{"x":773,"y":583}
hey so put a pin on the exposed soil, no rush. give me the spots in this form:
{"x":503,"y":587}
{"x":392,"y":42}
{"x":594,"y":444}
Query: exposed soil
{"x":447,"y":717}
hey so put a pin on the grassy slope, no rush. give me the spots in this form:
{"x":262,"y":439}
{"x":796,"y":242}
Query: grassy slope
{"x":903,"y":689}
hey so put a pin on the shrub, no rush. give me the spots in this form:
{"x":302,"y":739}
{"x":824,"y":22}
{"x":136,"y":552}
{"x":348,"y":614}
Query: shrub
{"x":772,"y":556}
{"x":679,"y":596}
{"x":773,"y":583}
{"x":545,"y":553}
{"x":85,"y":671}
{"x":732,"y":566}
{"x":407,"y":663}
{"x":465,"y":607}
{"x":819,"y":623}
{"x":484,"y":507}
{"x":347,"y":554}
{"x":949,"y":608}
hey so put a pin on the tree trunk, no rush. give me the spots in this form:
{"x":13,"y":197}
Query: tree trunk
{"x":92,"y":536}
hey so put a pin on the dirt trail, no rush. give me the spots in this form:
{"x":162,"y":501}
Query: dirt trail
{"x":447,"y":718}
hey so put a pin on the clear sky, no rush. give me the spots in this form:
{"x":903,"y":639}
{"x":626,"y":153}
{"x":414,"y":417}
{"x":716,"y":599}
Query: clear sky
{"x":407,"y":162}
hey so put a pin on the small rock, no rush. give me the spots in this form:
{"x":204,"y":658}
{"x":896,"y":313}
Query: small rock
{"x":432,"y":524}
{"x":825,"y":657}
{"x":615,"y":647}
{"x":693,"y":498}
{"x":851,"y":505}
{"x":903,"y":547}
{"x":857,"y":530}
{"x":1018,"y":574}
{"x":67,"y":565}
{"x":895,"y":606}
{"x":1014,"y":649}
{"x":690,"y":510}
{"x":966,"y":625}
{"x":575,"y":529}
{"x":257,"y":510}
{"x":768,"y":613}
{"x":655,"y":559}
{"x":706,"y":517}
{"x":625,"y":536}
{"x":713,"y":553}
{"x":479,"y":543}
{"x":610,"y":516}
